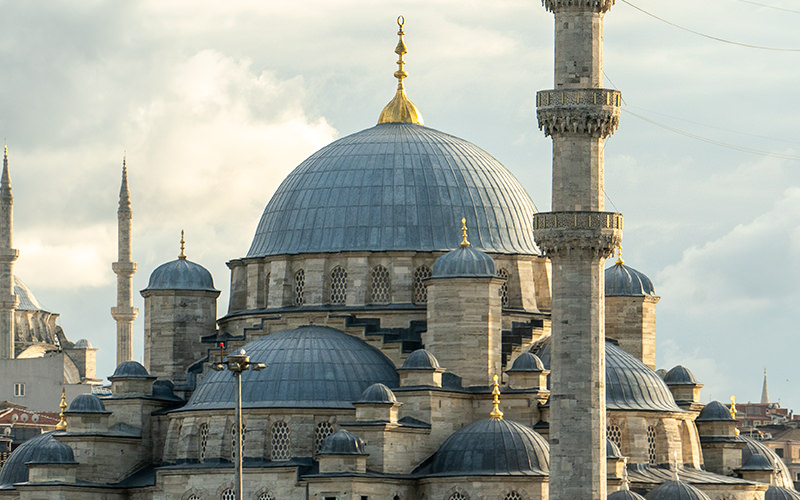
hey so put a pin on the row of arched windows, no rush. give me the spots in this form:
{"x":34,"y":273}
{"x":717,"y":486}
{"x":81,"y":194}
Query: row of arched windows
{"x":614,"y":433}
{"x":380,"y":285}
{"x":229,"y":494}
{"x":280,"y":444}
{"x":461,"y":495}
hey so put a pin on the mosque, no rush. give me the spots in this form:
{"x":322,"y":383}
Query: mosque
{"x":418,"y":332}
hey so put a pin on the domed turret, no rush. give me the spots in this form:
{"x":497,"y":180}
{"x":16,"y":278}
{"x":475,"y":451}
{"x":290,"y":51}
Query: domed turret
{"x":685,"y":388}
{"x":378,"y":393}
{"x":180,"y":274}
{"x":676,"y":490}
{"x":625,"y":495}
{"x":44,"y":449}
{"x":131,"y":378}
{"x":86,"y":403}
{"x":342,"y":451}
{"x":421,"y":360}
{"x":625,"y":280}
{"x":421,"y":368}
{"x":779,"y":493}
{"x":528,"y":372}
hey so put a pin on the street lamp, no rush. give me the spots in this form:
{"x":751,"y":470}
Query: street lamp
{"x":237,"y":363}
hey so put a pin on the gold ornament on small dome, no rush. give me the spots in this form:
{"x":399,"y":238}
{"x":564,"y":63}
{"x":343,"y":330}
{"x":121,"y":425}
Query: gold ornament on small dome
{"x":496,"y":413}
{"x":733,"y":411}
{"x":183,"y":247}
{"x":619,"y":255}
{"x":62,"y":423}
{"x":464,"y":241}
{"x":400,"y":109}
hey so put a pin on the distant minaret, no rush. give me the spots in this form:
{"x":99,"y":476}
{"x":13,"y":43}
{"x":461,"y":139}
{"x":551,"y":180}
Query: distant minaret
{"x":124,"y":313}
{"x":8,"y":255}
{"x":764,"y":390}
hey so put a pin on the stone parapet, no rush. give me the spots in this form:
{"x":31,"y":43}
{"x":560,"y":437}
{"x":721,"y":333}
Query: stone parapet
{"x":593,"y":112}
{"x":559,"y":233}
{"x":124,"y":268}
{"x":600,"y":6}
{"x":9,"y":254}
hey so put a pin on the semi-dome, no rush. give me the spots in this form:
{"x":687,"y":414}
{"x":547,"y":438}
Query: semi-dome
{"x":625,"y":280}
{"x":396,"y":186}
{"x":680,"y":375}
{"x":130,"y":369}
{"x":612,"y":450}
{"x":630,"y":384}
{"x":676,"y":490}
{"x":343,"y":442}
{"x":42,"y":449}
{"x":714,"y":411}
{"x":779,"y":493}
{"x":420,"y":360}
{"x":527,"y":362}
{"x":86,"y":403}
{"x":624,"y":495}
{"x":491,"y":446}
{"x":27,"y":300}
{"x":181,"y":274}
{"x":307,"y":367}
{"x":464,"y":261}
{"x":753,"y":448}
{"x":378,"y":393}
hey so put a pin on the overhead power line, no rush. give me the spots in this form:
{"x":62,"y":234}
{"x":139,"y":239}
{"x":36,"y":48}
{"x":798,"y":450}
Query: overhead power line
{"x":718,"y":39}
{"x":770,"y":6}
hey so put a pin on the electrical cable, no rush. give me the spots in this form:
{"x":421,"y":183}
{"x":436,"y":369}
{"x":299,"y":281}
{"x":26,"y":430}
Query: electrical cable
{"x":770,"y":6}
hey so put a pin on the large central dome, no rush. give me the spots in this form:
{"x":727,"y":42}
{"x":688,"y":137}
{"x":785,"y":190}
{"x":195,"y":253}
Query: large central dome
{"x":396,"y":186}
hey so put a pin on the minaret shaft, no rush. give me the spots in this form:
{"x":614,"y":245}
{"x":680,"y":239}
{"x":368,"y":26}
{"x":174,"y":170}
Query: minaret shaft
{"x":8,"y":255}
{"x":124,"y":313}
{"x":578,"y":49}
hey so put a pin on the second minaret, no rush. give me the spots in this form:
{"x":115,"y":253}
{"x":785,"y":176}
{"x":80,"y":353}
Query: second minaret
{"x":124,"y":313}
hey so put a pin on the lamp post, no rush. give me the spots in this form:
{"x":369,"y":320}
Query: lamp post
{"x":237,"y":363}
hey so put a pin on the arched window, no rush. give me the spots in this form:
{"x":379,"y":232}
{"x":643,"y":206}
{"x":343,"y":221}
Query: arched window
{"x":651,"y":444}
{"x":299,"y":287}
{"x":203,"y":441}
{"x":265,"y":496}
{"x":458,"y":496}
{"x":614,"y":433}
{"x":420,"y":291}
{"x":380,"y":285}
{"x":233,"y":440}
{"x":228,"y":494}
{"x":194,"y":497}
{"x":281,"y":441}
{"x":266,"y":290}
{"x":323,"y":430}
{"x":338,"y":285}
{"x":513,"y":495}
{"x":503,"y":273}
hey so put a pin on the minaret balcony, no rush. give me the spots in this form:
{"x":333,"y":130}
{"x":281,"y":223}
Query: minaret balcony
{"x":560,"y":233}
{"x":600,"y":6}
{"x":593,"y":112}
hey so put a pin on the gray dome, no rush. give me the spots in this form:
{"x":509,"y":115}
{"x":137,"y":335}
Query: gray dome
{"x":86,"y":403}
{"x":83,"y":344}
{"x":755,"y":447}
{"x":41,"y":449}
{"x":421,"y":360}
{"x":624,"y":280}
{"x":714,"y":411}
{"x":465,"y":262}
{"x":130,"y":369}
{"x":630,"y":384}
{"x":378,"y":393}
{"x":491,"y":446}
{"x":27,"y":300}
{"x":778,"y":493}
{"x":757,"y":462}
{"x":612,"y":450}
{"x":680,"y":375}
{"x":181,"y":274}
{"x":343,"y":442}
{"x":527,"y":362}
{"x":308,"y":367}
{"x":676,"y":490}
{"x":624,"y":495}
{"x":396,"y":186}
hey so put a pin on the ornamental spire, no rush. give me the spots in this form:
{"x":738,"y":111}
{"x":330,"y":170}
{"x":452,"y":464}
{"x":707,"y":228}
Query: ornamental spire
{"x":124,"y":191}
{"x":5,"y":182}
{"x":183,"y":247}
{"x":62,"y":423}
{"x":619,"y":255}
{"x":400,"y":109}
{"x":496,"y":413}
{"x":764,"y":390}
{"x":464,"y":241}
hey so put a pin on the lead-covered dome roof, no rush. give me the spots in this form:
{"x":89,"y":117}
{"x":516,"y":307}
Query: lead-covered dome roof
{"x":42,"y":449}
{"x":27,"y":300}
{"x":308,"y":367}
{"x":630,"y":384}
{"x":625,"y":280}
{"x":676,"y":490}
{"x":181,"y":274}
{"x":396,"y":186}
{"x":464,"y":261}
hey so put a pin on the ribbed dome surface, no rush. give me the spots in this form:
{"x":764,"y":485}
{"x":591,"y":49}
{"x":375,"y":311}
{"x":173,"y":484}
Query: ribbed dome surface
{"x":343,"y":442}
{"x":27,"y":300}
{"x":680,"y":375}
{"x":396,"y":186}
{"x":778,"y":493}
{"x":624,"y":495}
{"x":421,"y":360}
{"x":612,"y":450}
{"x":624,"y":280}
{"x":130,"y":369}
{"x":41,"y":449}
{"x":465,"y":262}
{"x":308,"y":367}
{"x":714,"y":411}
{"x":86,"y":403}
{"x":676,"y":490}
{"x":181,"y":274}
{"x":527,"y":362}
{"x":492,"y":446}
{"x":630,"y":384}
{"x":755,"y":447}
{"x":378,"y":393}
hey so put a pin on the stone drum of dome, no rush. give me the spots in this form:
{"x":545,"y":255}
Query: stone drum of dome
{"x":396,"y":186}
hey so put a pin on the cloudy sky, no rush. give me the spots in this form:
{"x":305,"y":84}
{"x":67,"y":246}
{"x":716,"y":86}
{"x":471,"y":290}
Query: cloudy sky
{"x":215,"y":102}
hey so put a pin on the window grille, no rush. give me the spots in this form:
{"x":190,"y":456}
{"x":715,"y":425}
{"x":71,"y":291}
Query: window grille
{"x":203,"y":441}
{"x":228,"y":494}
{"x":281,"y":441}
{"x":458,"y":496}
{"x":420,"y":291}
{"x":381,"y":290}
{"x":194,"y":497}
{"x":299,"y":287}
{"x":614,"y":433}
{"x":233,"y":440}
{"x":265,"y":496}
{"x":503,"y":273}
{"x":338,"y":285}
{"x":651,"y":444}
{"x":323,"y":430}
{"x":513,"y":495}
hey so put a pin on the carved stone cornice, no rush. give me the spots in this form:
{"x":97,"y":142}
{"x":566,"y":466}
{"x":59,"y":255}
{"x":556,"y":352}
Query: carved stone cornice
{"x":559,"y":234}
{"x":593,"y":112}
{"x":601,"y":6}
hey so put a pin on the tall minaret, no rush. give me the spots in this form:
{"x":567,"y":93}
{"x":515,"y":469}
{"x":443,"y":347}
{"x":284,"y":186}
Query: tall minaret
{"x":577,"y":236}
{"x":124,"y":313}
{"x":764,"y":390}
{"x":8,"y":255}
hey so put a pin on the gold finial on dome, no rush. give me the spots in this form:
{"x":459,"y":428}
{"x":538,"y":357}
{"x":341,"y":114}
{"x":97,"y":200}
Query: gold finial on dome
{"x":496,"y":413}
{"x":733,"y":411}
{"x":464,"y":242}
{"x":183,"y":247}
{"x":619,"y":255}
{"x":62,"y":423}
{"x":400,"y":109}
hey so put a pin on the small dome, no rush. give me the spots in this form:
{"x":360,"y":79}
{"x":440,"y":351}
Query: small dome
{"x":41,"y":449}
{"x":27,"y":300}
{"x":676,"y":490}
{"x":378,"y":393}
{"x":757,"y":462}
{"x":164,"y":389}
{"x":527,"y":362}
{"x":83,"y":344}
{"x":624,"y":495}
{"x":86,"y":403}
{"x":714,"y":411}
{"x":779,"y":493}
{"x":623,"y":280}
{"x":661,"y":373}
{"x":181,"y":274}
{"x":343,"y":442}
{"x":464,"y":262}
{"x":680,"y":375}
{"x":421,"y":360}
{"x":130,"y":369}
{"x":754,"y":447}
{"x":612,"y":450}
{"x":492,"y":446}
